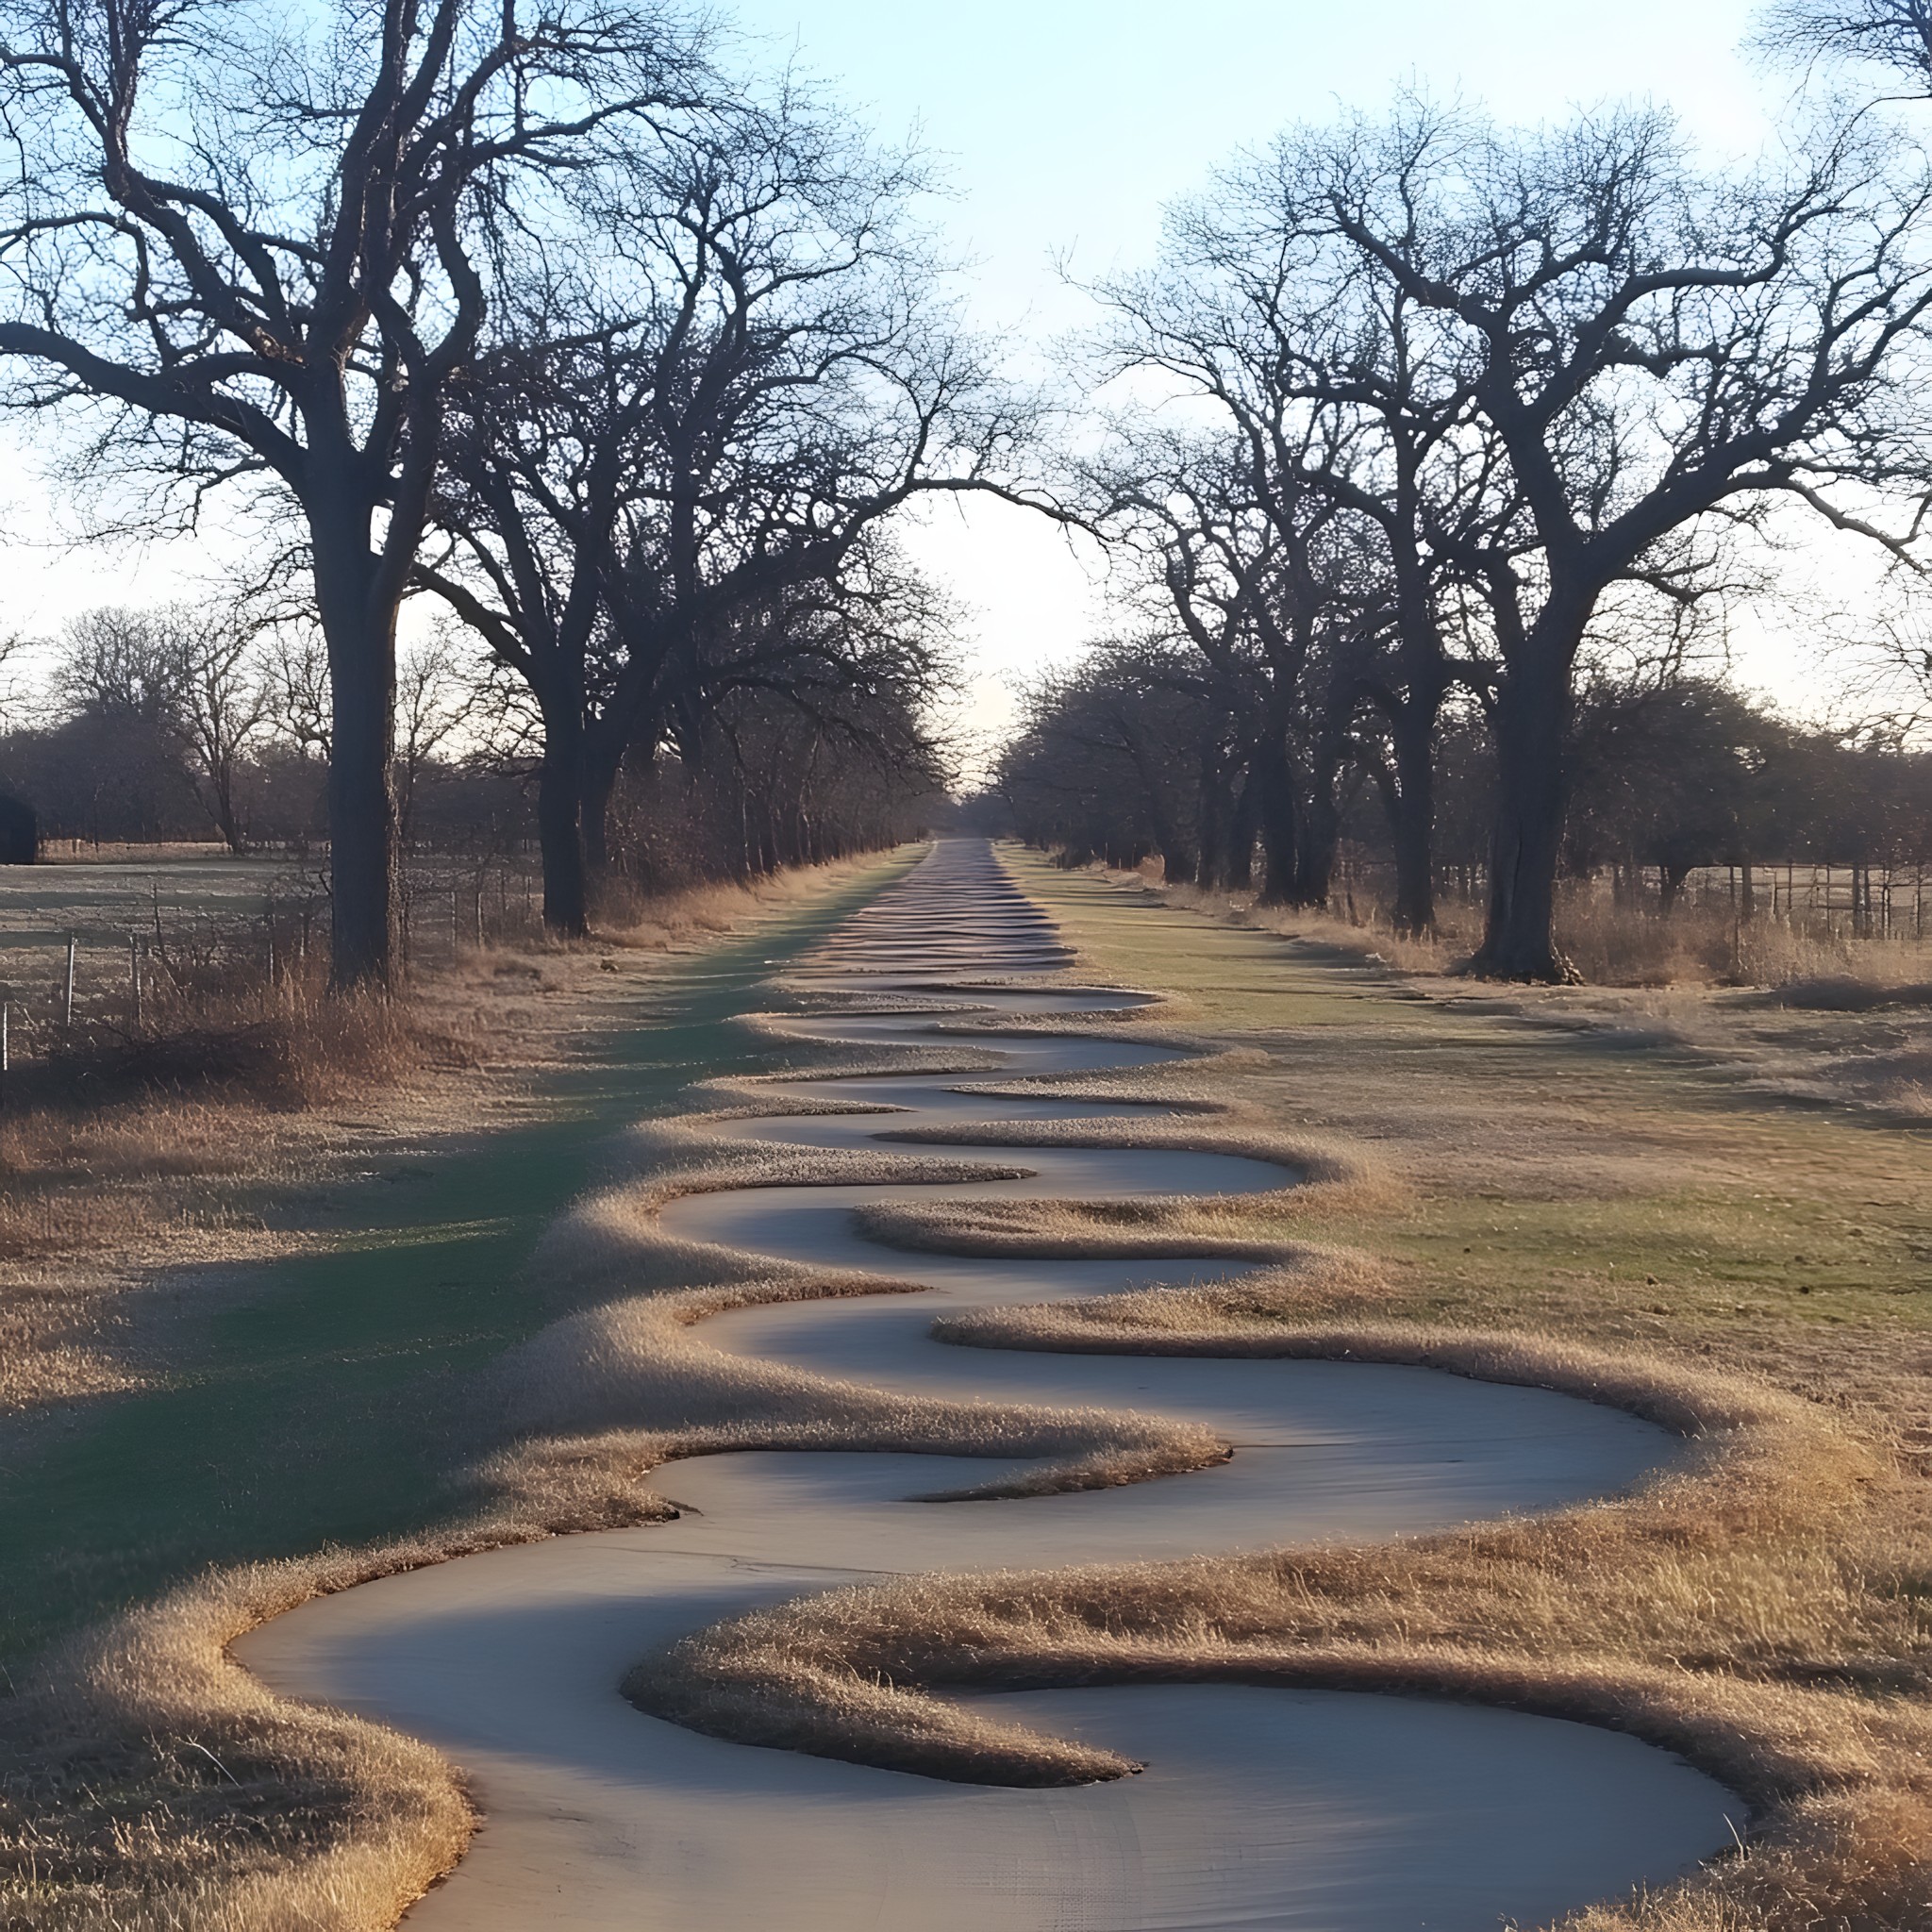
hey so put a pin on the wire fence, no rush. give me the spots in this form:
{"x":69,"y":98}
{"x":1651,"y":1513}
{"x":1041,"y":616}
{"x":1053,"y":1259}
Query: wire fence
{"x":112,"y":960}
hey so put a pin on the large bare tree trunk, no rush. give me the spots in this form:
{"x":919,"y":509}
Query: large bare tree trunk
{"x":599,"y":781}
{"x":1211,"y":814}
{"x":1239,"y":865}
{"x":1413,"y":824}
{"x":1532,"y":727}
{"x":559,"y":824}
{"x":1320,"y":843}
{"x":362,"y":829}
{"x":1278,"y":817}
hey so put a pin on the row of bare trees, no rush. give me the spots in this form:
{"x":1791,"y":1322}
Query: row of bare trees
{"x":540,"y":312}
{"x":1425,"y":418}
{"x":1667,"y":780}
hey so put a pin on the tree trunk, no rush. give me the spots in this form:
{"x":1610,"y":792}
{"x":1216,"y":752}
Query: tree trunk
{"x":1238,"y":867}
{"x":559,"y":822}
{"x":1210,"y":821}
{"x":361,"y":641}
{"x":1532,"y":726}
{"x":1277,"y":818}
{"x":1318,"y":844}
{"x":600,"y":765}
{"x":1412,"y":823}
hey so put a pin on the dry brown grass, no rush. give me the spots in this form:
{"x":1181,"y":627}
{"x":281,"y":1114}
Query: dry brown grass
{"x":123,"y":1153}
{"x":148,"y":1782}
{"x":1791,"y":1010}
{"x":1611,"y":943}
{"x":1754,"y":1607}
{"x":638,"y":1377}
{"x":1764,"y":1607}
{"x":151,"y":1784}
{"x":1761,"y":1606}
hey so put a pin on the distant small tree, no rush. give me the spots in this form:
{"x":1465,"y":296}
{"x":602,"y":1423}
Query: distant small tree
{"x":222,"y":703}
{"x":435,"y":698}
{"x":114,"y":662}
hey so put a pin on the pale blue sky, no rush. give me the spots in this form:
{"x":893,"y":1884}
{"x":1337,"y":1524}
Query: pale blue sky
{"x":1066,"y":125}
{"x":1069,"y":124}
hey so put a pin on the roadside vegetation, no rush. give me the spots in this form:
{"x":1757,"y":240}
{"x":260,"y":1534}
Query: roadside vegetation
{"x":560,"y":386}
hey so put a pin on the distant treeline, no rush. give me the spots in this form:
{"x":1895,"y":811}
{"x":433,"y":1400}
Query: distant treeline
{"x":176,"y":724}
{"x":1122,"y":759}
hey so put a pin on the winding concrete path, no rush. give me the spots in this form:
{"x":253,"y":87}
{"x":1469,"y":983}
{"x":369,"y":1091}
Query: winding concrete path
{"x":1259,"y":1809}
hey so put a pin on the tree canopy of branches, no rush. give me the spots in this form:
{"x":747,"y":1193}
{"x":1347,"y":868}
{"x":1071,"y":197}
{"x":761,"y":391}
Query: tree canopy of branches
{"x":259,"y":245}
{"x":1468,"y":400}
{"x":660,"y":452}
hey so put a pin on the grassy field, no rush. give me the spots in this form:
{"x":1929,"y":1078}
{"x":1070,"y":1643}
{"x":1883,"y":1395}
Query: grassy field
{"x":316,"y":1399}
{"x":1511,"y":1190}
{"x":1548,"y":1166}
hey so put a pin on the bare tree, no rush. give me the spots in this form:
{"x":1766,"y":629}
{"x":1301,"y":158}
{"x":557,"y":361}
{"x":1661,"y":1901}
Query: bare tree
{"x":186,"y":676}
{"x":1659,"y":353}
{"x":295,"y":687}
{"x":1266,"y":580}
{"x":259,"y":243}
{"x":754,"y":376}
{"x":1341,"y":421}
{"x":435,"y":698}
{"x":114,"y":661}
{"x":222,"y":702}
{"x":15,"y":686}
{"x":1886,"y":33}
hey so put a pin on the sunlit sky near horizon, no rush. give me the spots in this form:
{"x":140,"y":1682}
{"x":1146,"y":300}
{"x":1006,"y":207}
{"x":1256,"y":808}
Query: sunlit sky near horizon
{"x":1065,"y":126}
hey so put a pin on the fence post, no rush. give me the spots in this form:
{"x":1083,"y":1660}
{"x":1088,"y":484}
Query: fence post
{"x":5,"y":1040}
{"x":67,"y":1005}
{"x":134,"y":973}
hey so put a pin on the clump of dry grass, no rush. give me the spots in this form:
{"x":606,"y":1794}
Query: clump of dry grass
{"x":149,"y":1783}
{"x":641,"y":1367}
{"x":632,"y":915}
{"x":124,"y":1155}
{"x":612,"y":1236}
{"x":231,"y":1808}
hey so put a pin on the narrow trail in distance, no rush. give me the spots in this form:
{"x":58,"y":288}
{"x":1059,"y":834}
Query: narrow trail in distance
{"x":1259,"y":1809}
